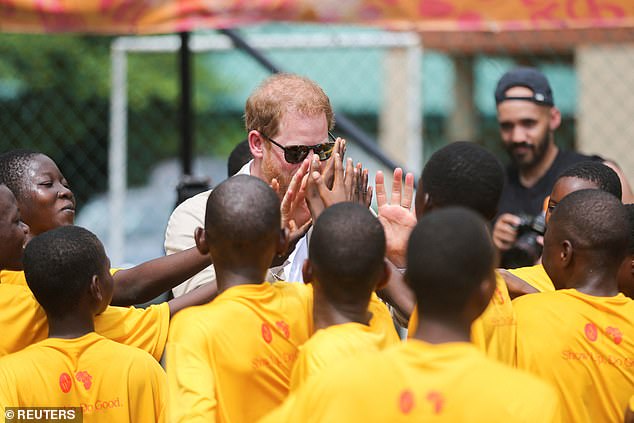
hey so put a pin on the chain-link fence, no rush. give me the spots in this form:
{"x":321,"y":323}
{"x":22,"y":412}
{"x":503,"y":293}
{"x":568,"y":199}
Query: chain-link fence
{"x":55,"y":93}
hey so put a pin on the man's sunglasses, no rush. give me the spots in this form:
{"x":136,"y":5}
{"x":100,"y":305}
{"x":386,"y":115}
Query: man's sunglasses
{"x":294,"y":154}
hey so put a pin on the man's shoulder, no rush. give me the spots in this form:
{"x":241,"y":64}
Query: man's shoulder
{"x":567,"y":158}
{"x":193,"y":204}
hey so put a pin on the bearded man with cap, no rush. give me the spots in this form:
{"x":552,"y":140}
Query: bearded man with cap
{"x":528,"y":118}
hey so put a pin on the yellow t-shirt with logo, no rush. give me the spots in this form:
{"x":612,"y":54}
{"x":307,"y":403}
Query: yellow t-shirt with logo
{"x":23,"y":321}
{"x":494,"y":331}
{"x":535,"y":276}
{"x":333,"y":344}
{"x":417,"y":381}
{"x":111,"y":382}
{"x":584,"y":346}
{"x":231,"y":360}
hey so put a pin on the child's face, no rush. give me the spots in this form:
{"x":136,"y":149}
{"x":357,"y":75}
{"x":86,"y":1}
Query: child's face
{"x":563,"y":187}
{"x":47,"y":201}
{"x":12,"y":232}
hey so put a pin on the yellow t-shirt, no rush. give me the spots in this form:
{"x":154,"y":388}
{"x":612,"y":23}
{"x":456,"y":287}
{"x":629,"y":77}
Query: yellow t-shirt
{"x":494,"y":331}
{"x":231,"y":360}
{"x":584,"y":346}
{"x":417,"y":381}
{"x":535,"y":276}
{"x":331,"y":345}
{"x":381,"y":322}
{"x":23,"y":321}
{"x":111,"y":382}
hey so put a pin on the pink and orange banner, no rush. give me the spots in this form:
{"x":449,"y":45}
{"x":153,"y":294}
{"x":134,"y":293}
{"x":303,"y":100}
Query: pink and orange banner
{"x":166,"y":16}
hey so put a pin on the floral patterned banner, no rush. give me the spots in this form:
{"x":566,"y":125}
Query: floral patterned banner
{"x":166,"y":16}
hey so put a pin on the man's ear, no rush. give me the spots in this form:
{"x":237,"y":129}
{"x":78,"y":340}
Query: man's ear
{"x":385,"y":276}
{"x":555,"y":118}
{"x":282,"y":242}
{"x":307,"y":271}
{"x":256,"y":144}
{"x":200,"y":236}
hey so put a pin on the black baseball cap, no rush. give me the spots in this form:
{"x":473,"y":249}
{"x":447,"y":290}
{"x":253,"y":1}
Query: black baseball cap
{"x":525,"y":77}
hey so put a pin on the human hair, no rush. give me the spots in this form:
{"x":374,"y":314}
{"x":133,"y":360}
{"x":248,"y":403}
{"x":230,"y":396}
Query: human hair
{"x":244,"y":212}
{"x":240,"y":155}
{"x":597,"y":172}
{"x":59,"y":266}
{"x":449,"y":254}
{"x":346,"y":251}
{"x":464,"y":174}
{"x":630,"y":214}
{"x":13,"y":167}
{"x":592,"y":220}
{"x":282,"y":93}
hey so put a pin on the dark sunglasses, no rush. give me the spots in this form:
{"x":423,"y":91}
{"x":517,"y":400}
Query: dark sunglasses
{"x":294,"y":154}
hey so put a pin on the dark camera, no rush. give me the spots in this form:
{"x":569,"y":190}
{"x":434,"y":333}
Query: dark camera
{"x":526,"y":250}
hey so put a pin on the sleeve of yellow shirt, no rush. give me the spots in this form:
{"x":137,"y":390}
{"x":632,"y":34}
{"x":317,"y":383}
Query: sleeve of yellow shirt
{"x":191,"y":388}
{"x":142,"y":328}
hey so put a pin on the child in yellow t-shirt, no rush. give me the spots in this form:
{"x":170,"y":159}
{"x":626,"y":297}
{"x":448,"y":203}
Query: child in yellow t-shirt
{"x":459,"y":174}
{"x":583,"y":175}
{"x":345,"y":265}
{"x":581,"y":337}
{"x":68,"y":272}
{"x":438,"y":375}
{"x":231,"y":359}
{"x":46,"y":202}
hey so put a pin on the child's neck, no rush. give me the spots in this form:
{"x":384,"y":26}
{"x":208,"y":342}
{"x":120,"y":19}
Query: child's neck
{"x":436,"y":331}
{"x":327,"y":314}
{"x":595,"y":282}
{"x":70,"y":326}
{"x":230,"y":277}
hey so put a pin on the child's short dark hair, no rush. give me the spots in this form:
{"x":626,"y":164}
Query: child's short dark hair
{"x":13,"y":166}
{"x":346,"y":250}
{"x":59,"y":266}
{"x":630,"y":214}
{"x":592,"y":219}
{"x":597,"y":172}
{"x":464,"y":174}
{"x":449,"y":254}
{"x":243,"y":210}
{"x":240,"y":155}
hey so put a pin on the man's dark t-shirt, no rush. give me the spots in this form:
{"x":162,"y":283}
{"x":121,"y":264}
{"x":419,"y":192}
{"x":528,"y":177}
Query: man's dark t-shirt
{"x":517,"y":199}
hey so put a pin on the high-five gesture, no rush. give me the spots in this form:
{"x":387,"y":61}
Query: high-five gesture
{"x":397,"y":215}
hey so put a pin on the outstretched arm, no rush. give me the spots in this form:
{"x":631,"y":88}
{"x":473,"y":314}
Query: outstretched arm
{"x":197,"y":296}
{"x":150,"y":279}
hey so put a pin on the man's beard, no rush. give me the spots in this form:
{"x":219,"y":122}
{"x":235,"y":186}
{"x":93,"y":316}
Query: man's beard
{"x":538,"y":152}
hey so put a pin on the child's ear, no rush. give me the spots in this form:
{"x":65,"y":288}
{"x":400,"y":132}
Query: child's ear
{"x":200,"y":236}
{"x":385,"y":276}
{"x":307,"y":271}
{"x":96,"y":291}
{"x":566,"y":253}
{"x":282,"y":242}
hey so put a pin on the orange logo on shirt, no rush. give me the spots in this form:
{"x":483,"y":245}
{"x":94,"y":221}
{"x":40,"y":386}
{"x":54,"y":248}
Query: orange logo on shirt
{"x":266,"y":333}
{"x":85,"y":378}
{"x":498,"y":298}
{"x":591,"y":332}
{"x":65,"y":382}
{"x":437,"y":401}
{"x":406,"y":401}
{"x":615,"y":334}
{"x":283,"y":326}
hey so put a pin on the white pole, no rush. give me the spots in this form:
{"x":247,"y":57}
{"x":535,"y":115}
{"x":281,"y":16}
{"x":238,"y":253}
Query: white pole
{"x":117,"y":155}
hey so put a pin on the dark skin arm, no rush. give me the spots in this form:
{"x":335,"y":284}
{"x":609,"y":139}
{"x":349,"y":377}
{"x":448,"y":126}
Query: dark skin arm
{"x":148,"y":280}
{"x":516,"y":286}
{"x":397,"y":294}
{"x":629,"y":415}
{"x":200,"y":295}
